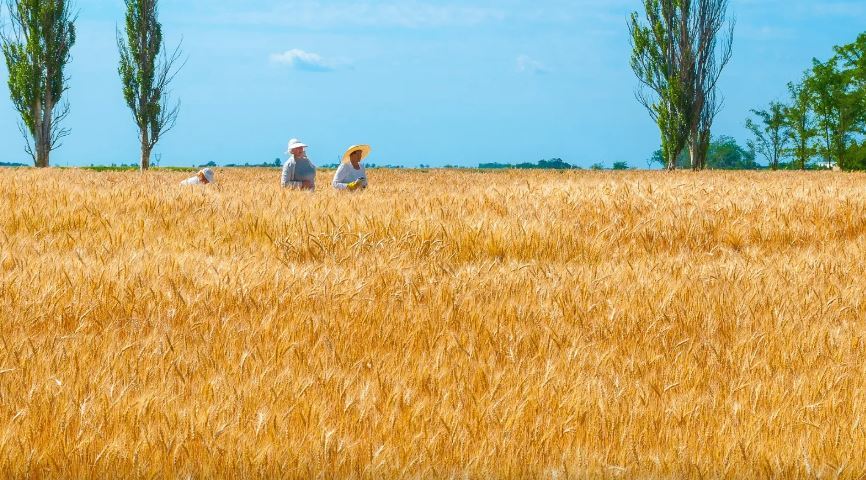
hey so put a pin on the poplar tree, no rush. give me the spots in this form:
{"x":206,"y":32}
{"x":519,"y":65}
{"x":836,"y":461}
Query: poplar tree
{"x":678,"y":55}
{"x":37,"y":47}
{"x":707,"y":49}
{"x":146,"y":71}
{"x":655,"y":60}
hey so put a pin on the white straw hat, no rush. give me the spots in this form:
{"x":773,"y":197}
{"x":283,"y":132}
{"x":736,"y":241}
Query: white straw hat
{"x":295,"y":143}
{"x":365,"y":150}
{"x":208,"y":174}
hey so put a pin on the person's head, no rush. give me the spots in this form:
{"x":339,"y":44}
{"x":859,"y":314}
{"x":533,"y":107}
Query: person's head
{"x":206,"y":176}
{"x":296,"y":148}
{"x":355,"y":157}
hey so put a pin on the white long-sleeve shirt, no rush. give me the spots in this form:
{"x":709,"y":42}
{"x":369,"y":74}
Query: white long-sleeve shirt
{"x":347,"y":174}
{"x":194,"y":181}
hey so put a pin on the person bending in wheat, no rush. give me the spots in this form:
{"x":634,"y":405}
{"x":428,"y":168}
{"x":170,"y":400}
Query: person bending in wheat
{"x":203,"y":177}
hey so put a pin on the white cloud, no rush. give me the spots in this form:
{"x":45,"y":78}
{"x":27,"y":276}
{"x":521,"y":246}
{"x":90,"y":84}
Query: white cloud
{"x":301,"y":60}
{"x":527,"y":64}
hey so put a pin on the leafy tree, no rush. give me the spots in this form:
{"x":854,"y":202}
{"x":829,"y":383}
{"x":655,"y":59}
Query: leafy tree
{"x":707,"y":50}
{"x":678,"y":55}
{"x":37,"y":51}
{"x":800,"y":125}
{"x":147,"y":70}
{"x":839,"y":109}
{"x":725,"y":154}
{"x":771,"y":135}
{"x":620,"y":165}
{"x":853,"y":58}
{"x":656,"y":61}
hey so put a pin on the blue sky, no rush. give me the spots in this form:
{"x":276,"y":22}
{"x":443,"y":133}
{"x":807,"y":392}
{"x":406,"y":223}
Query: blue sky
{"x":423,"y":81}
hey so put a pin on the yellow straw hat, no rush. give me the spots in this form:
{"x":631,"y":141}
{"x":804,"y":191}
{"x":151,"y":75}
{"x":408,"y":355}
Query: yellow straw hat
{"x":365,"y":150}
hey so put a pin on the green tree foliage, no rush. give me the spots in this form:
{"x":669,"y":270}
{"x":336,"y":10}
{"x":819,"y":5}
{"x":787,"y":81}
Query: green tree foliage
{"x":853,"y":59}
{"x":656,"y":61}
{"x":723,"y":153}
{"x":839,"y":109}
{"x":37,"y":50}
{"x":707,"y":51}
{"x":146,"y":71}
{"x":771,"y":133}
{"x":552,"y":164}
{"x":678,"y":55}
{"x":800,"y":125}
{"x":826,"y":116}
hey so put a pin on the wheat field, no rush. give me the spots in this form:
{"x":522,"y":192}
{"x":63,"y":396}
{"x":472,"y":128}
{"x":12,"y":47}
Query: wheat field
{"x":443,"y":324}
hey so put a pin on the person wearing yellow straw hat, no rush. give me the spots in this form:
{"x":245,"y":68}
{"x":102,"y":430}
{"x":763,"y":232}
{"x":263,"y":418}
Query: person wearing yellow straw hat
{"x":351,"y":174}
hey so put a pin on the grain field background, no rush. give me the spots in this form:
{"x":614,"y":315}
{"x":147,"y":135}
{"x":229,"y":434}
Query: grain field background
{"x":443,"y":324}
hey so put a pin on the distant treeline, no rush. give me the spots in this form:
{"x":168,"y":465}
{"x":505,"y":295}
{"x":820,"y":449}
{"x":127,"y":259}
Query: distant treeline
{"x":277,"y":163}
{"x":552,"y":164}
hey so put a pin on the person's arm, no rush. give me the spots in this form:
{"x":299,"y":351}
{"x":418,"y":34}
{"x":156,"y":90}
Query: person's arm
{"x":288,"y":180}
{"x":340,"y":178}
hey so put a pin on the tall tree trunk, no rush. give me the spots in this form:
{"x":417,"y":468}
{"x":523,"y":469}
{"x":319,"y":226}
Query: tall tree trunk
{"x":145,"y":152}
{"x":145,"y":158}
{"x":704,"y":147}
{"x":42,"y":154}
{"x":693,"y":155}
{"x":45,"y":139}
{"x":36,"y":113}
{"x":47,"y":119}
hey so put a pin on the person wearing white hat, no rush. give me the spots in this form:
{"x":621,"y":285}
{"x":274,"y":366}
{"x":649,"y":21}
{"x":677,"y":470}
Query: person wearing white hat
{"x":205,"y":176}
{"x":351,"y":174}
{"x":298,"y":171}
